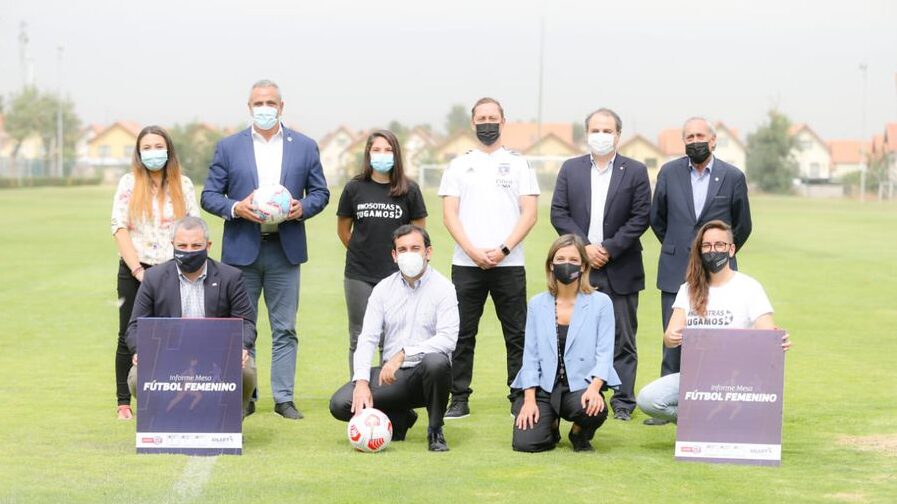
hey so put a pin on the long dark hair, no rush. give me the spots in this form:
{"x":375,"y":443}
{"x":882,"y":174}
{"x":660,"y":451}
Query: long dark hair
{"x":398,"y":182}
{"x":141,"y":204}
{"x":696,"y":276}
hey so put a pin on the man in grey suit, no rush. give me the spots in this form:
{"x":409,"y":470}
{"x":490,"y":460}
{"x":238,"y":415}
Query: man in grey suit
{"x":691,"y":191}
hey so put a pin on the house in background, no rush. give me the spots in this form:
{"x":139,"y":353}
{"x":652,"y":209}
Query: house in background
{"x":331,"y":148}
{"x":848,"y":156}
{"x":811,"y":154}
{"x":643,"y":150}
{"x":416,"y":149}
{"x":729,"y":147}
{"x":110,"y":151}
{"x":670,"y":143}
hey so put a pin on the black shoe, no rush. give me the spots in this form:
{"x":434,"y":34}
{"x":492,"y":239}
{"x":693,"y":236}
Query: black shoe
{"x":250,"y":409}
{"x":288,"y":411}
{"x":656,"y":421}
{"x":411,"y":419}
{"x":623,"y":414}
{"x":457,"y":409}
{"x":437,"y":441}
{"x":556,"y":432}
{"x":580,"y":442}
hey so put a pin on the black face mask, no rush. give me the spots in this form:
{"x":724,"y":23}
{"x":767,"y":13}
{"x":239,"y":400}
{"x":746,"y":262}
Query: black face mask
{"x":488,"y":133}
{"x":715,"y":261}
{"x":567,"y":273}
{"x":698,"y":152}
{"x":190,"y":262}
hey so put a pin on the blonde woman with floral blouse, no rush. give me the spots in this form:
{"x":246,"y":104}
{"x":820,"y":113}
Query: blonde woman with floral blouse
{"x":148,"y":201}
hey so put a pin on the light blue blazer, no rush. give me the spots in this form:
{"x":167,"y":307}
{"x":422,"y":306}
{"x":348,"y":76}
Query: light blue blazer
{"x":590,"y":343}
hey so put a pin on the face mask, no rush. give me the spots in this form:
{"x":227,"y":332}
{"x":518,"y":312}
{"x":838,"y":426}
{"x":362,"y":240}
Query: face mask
{"x":698,"y":152}
{"x":382,"y":162}
{"x":264,"y":117}
{"x":410,"y":264}
{"x":601,"y":143}
{"x":154,"y":159}
{"x":715,"y":261}
{"x":566,"y":273}
{"x":190,"y":262}
{"x":487,"y":133}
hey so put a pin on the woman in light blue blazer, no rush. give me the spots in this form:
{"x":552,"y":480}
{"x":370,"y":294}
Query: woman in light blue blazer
{"x":567,"y":357}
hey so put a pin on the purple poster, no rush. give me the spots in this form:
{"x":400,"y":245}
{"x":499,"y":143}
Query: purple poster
{"x":189,"y":386}
{"x":730,"y":396}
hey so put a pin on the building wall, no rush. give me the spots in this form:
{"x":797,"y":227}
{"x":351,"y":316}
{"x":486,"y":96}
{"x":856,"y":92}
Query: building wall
{"x":114,"y":146}
{"x":729,"y":150}
{"x":813,"y":158}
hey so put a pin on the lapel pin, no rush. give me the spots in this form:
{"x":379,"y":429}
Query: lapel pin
{"x":215,"y":284}
{"x":289,"y":139}
{"x":716,"y":179}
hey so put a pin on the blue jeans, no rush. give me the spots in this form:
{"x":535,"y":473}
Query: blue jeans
{"x":273,"y":275}
{"x":660,"y":398}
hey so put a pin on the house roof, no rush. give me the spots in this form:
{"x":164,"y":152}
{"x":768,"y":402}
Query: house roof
{"x":571,"y":149}
{"x":796,"y":128}
{"x":670,"y":143}
{"x":848,"y":151}
{"x":330,"y":136}
{"x":638,"y":138}
{"x":878,"y":144}
{"x":129,"y":126}
{"x":890,"y":138}
{"x":428,"y":136}
{"x":454,"y":136}
{"x":520,"y":136}
{"x":733,"y":133}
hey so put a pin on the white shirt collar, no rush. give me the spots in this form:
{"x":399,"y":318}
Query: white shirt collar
{"x":258,"y":136}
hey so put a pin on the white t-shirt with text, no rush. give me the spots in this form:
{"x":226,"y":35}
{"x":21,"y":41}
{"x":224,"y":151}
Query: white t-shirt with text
{"x":737,"y":304}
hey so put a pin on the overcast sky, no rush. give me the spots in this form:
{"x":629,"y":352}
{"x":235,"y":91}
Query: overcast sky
{"x":365,"y":63}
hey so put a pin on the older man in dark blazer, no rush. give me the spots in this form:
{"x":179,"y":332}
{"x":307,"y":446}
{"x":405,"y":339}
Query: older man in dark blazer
{"x":690,"y":192}
{"x":605,"y":198}
{"x":192,"y":285}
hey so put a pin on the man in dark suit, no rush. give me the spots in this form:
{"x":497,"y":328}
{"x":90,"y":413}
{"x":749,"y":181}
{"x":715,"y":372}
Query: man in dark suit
{"x":192,"y":285}
{"x":269,"y":255}
{"x":605,"y":198}
{"x":690,"y":192}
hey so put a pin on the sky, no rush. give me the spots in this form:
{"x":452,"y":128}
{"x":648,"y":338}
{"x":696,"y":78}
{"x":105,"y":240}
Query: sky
{"x":365,"y":64}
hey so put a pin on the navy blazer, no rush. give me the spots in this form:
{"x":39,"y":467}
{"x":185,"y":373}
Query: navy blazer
{"x":590,"y":343}
{"x":225,"y":297}
{"x":626,"y":212}
{"x":673,"y":214}
{"x":233,"y":176}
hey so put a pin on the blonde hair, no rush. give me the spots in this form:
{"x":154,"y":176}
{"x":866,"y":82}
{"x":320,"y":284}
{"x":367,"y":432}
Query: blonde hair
{"x":565,"y":241}
{"x":141,"y":205}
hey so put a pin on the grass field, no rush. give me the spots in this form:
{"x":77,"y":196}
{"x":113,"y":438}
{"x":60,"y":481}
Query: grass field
{"x":829,"y":267}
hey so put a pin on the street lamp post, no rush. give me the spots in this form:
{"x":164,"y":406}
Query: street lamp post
{"x":60,"y":145}
{"x":863,"y":165}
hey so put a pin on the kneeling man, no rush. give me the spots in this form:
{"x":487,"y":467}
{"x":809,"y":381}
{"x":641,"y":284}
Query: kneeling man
{"x":416,"y":310}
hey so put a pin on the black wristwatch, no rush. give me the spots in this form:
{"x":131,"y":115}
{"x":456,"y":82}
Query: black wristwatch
{"x":504,"y":249}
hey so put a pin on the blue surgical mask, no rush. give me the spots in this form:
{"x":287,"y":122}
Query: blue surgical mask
{"x":264,"y":117}
{"x":382,"y":162}
{"x":154,"y":159}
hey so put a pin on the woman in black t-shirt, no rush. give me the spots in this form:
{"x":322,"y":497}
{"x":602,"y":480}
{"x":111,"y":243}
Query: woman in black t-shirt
{"x":373,"y":204}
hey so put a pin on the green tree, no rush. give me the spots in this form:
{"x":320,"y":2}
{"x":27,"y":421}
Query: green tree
{"x":399,"y":130}
{"x":32,"y":112}
{"x":457,"y":119}
{"x":195,"y":146}
{"x":769,"y":164}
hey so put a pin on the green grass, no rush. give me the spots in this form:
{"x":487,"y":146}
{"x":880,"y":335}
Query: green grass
{"x":828,"y":266}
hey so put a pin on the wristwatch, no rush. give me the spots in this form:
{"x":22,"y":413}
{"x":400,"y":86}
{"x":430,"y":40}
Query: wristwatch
{"x":504,"y":249}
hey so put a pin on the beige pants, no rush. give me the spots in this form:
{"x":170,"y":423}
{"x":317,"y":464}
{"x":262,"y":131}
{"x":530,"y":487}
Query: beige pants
{"x":250,"y":378}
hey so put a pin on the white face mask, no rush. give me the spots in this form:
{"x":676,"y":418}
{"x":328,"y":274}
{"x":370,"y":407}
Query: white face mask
{"x":410,"y":264}
{"x":601,"y":143}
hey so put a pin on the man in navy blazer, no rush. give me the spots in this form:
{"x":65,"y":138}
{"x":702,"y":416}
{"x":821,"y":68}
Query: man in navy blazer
{"x":605,"y":198}
{"x":269,"y":255}
{"x":219,"y":286}
{"x":690,"y":192}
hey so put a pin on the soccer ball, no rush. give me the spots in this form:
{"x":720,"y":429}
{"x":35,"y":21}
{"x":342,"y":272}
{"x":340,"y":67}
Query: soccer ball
{"x":272,"y":203}
{"x":370,"y":431}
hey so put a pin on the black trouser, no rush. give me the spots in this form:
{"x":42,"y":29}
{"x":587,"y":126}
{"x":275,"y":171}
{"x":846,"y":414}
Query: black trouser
{"x":425,"y":385}
{"x":671,"y":356}
{"x":625,"y":351}
{"x":561,"y":403}
{"x":127,"y":293}
{"x":507,"y":286}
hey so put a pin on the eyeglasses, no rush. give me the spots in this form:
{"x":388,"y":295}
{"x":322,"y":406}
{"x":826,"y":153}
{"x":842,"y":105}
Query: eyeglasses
{"x":719,"y":246}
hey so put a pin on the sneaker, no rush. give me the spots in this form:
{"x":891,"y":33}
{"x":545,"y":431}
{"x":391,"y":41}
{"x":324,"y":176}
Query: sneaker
{"x":580,"y":442}
{"x":622,"y":414}
{"x":656,"y":421}
{"x":288,"y":411}
{"x":124,"y":412}
{"x":457,"y":409}
{"x":437,"y":441}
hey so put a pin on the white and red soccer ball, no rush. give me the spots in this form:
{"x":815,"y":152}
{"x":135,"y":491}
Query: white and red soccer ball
{"x":273,"y":203}
{"x":370,"y":431}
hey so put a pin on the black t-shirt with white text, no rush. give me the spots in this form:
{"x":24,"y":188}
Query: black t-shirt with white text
{"x":375,"y":215}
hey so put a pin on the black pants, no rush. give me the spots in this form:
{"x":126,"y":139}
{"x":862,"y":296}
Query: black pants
{"x":507,"y":286}
{"x":671,"y":356}
{"x":127,"y":293}
{"x":425,"y":385}
{"x":561,"y":403}
{"x":625,"y":350}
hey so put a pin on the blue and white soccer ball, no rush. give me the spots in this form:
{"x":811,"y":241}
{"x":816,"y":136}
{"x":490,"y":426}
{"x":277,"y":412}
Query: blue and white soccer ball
{"x":272,"y":203}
